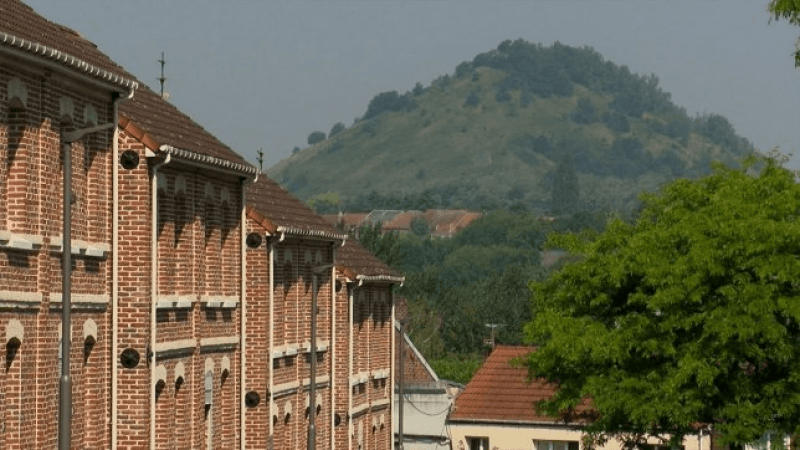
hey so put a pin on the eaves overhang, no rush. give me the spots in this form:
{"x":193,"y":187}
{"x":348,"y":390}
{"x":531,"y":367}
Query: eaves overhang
{"x":380,"y":279}
{"x":209,"y":162}
{"x":58,"y":58}
{"x":320,"y":234}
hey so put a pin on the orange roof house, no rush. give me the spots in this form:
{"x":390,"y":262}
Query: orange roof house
{"x":497,"y":410}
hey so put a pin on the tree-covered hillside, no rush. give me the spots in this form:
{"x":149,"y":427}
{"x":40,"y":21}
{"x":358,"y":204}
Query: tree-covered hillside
{"x":494,"y":133}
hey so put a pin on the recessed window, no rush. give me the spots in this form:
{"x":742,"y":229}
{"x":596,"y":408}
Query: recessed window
{"x":478,"y":443}
{"x":556,"y":445}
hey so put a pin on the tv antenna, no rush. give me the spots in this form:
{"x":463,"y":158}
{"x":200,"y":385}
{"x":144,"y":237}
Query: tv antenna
{"x":260,"y":159}
{"x":162,"y":78}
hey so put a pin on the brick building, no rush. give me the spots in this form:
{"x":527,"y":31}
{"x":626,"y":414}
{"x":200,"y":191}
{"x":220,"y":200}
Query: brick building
{"x":178,"y":340}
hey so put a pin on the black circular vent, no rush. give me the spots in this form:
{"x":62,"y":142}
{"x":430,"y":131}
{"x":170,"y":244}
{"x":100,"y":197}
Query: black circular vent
{"x":253,"y":240}
{"x":129,"y":159}
{"x":129,"y":358}
{"x":252,"y":399}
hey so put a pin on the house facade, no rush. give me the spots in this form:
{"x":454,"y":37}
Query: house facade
{"x":192,"y":276}
{"x":496,"y":411}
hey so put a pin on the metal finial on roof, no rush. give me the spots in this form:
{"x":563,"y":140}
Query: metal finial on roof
{"x":162,"y":78}
{"x":261,"y":159}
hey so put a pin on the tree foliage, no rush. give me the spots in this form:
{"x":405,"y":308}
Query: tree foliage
{"x":787,"y":10}
{"x":337,"y":128}
{"x":689,"y":315}
{"x":388,"y":101}
{"x":315,"y":137}
{"x":566,"y":191}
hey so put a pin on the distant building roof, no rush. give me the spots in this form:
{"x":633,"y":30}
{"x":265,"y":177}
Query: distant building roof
{"x":280,"y":211}
{"x":442,"y":222}
{"x":501,"y":392}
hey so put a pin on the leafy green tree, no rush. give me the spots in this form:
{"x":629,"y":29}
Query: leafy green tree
{"x":383,"y":245}
{"x":566,"y":191}
{"x":315,"y":137}
{"x":458,"y":368}
{"x":337,"y":128}
{"x":472,"y":99}
{"x":689,"y":315}
{"x":788,"y":10}
{"x":388,"y":101}
{"x":585,"y":112}
{"x":420,"y":228}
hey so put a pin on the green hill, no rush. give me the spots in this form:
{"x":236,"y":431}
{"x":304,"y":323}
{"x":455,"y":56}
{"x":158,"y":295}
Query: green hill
{"x":492,"y":134}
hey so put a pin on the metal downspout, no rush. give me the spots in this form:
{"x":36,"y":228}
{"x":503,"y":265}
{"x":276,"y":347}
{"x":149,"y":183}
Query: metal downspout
{"x":350,"y":290}
{"x":115,"y":268}
{"x":154,"y":294}
{"x":270,"y":439}
{"x":243,"y":311}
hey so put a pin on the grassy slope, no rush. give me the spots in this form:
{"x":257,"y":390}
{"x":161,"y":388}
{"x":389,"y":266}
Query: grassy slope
{"x":443,"y":141}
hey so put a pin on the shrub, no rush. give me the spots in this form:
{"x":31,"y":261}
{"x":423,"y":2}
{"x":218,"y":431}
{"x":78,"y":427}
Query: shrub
{"x":338,"y":127}
{"x":315,"y":137}
{"x":472,"y":99}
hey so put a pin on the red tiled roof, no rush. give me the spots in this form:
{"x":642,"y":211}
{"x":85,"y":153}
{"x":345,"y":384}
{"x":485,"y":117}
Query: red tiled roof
{"x":402,"y":221}
{"x":500,"y":391}
{"x":21,"y":20}
{"x":159,"y":122}
{"x":358,"y":259}
{"x":280,"y":208}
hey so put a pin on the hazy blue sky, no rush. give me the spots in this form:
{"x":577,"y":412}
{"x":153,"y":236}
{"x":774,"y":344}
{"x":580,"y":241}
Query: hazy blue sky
{"x":266,"y":74}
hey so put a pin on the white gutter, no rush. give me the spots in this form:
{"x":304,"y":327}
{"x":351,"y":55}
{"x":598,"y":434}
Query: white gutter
{"x":271,"y":263}
{"x":154,"y":294}
{"x":301,"y":232}
{"x":380,"y":279}
{"x":208,"y":162}
{"x":350,"y":290}
{"x":115,"y":267}
{"x":243,"y":312}
{"x":64,"y":63}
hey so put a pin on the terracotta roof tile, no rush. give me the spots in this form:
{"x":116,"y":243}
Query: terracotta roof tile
{"x":161,"y":121}
{"x":358,"y":259}
{"x":500,"y":391}
{"x":283,"y":209}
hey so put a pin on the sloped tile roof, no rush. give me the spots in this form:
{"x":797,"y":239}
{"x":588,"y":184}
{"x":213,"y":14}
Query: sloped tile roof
{"x":358,"y":259}
{"x":402,"y":221}
{"x":283,"y":210}
{"x":159,"y":122}
{"x":500,"y":391}
{"x":21,"y":20}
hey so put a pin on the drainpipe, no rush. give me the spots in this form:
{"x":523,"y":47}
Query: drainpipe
{"x":350,"y":290}
{"x":392,"y":372}
{"x":154,"y":294}
{"x":115,"y":268}
{"x":243,"y":310}
{"x":65,"y":382}
{"x":332,"y":349}
{"x":271,"y":339}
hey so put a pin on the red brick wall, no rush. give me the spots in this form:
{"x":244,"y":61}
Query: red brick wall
{"x":30,"y":204}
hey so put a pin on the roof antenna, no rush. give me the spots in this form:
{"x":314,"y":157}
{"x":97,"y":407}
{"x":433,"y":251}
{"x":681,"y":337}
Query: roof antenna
{"x":261,"y":159}
{"x":162,"y":78}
